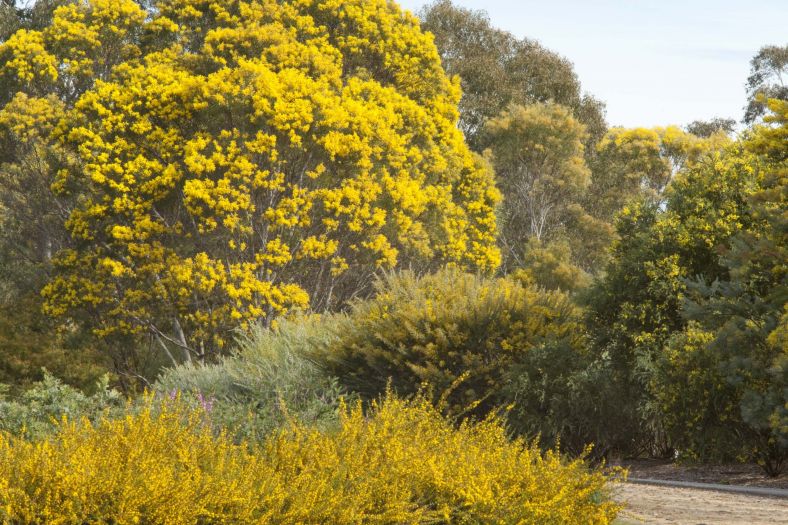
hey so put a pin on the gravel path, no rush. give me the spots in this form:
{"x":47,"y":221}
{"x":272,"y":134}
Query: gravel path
{"x":679,"y":506}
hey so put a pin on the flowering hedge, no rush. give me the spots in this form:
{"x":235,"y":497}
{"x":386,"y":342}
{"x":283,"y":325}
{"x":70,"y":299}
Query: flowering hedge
{"x":401,"y":463}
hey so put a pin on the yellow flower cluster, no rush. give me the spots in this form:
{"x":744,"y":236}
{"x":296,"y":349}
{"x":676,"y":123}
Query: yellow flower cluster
{"x":27,"y":58}
{"x":71,"y":49}
{"x":401,"y":464}
{"x":31,"y":119}
{"x":661,"y":152}
{"x":258,"y":156}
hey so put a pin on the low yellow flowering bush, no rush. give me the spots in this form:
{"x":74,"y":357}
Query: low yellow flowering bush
{"x":400,"y":463}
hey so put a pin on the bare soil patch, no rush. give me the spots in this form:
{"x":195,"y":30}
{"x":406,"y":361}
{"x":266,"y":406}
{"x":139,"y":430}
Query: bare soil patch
{"x":671,"y":506}
{"x":729,"y":474}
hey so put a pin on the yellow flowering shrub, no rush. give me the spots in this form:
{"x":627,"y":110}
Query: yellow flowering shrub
{"x":237,"y":160}
{"x":695,"y":401}
{"x":640,"y":305}
{"x":720,"y":380}
{"x":454,"y":332}
{"x":80,"y":45}
{"x":401,"y":463}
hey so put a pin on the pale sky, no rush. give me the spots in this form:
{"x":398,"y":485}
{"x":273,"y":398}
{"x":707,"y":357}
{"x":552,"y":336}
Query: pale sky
{"x":652,"y":62}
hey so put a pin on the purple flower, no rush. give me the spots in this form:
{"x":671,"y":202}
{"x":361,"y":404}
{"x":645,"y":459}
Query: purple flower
{"x":207,"y":404}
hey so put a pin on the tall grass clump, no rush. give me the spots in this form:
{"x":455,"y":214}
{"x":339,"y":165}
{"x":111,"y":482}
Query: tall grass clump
{"x":265,"y":382}
{"x":400,"y":462}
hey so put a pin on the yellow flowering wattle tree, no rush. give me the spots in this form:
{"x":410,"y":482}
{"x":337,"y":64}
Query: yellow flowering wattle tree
{"x":246,"y":158}
{"x":640,"y":162}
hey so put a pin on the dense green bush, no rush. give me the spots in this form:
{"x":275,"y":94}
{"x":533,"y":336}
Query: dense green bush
{"x":722,"y":383}
{"x":37,"y":411}
{"x":456,"y":334}
{"x":699,"y":409}
{"x":265,"y":382}
{"x":567,"y":399}
{"x":29,"y":342}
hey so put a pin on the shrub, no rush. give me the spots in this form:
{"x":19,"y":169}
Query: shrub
{"x":265,"y":382}
{"x":566,"y":398}
{"x":449,"y":330}
{"x":513,"y":347}
{"x":699,"y":408}
{"x":36,"y":411}
{"x":401,"y":463}
{"x":30,"y":341}
{"x":549,"y":265}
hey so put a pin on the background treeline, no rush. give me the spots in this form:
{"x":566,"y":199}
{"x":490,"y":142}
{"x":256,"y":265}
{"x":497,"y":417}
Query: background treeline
{"x":187,"y":178}
{"x":198,"y":200}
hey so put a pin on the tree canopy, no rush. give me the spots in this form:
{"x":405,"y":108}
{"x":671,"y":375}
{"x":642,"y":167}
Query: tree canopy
{"x":537,"y":153}
{"x":690,"y":307}
{"x":766,"y":80}
{"x":497,"y":69}
{"x":219,"y":162}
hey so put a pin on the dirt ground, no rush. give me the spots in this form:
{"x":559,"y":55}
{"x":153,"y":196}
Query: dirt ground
{"x":732,"y":474}
{"x":648,"y":504}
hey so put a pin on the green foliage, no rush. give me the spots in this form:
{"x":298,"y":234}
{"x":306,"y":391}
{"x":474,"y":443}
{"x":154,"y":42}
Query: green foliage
{"x":721,"y":383}
{"x":26,"y":14}
{"x":29,"y":341}
{"x":266,"y":382}
{"x":497,"y":69}
{"x":37,"y":411}
{"x":699,"y":411}
{"x":636,"y":308}
{"x":732,"y":359}
{"x":537,"y":153}
{"x":549,"y":265}
{"x":765,"y":81}
{"x":707,"y":128}
{"x":455,"y":333}
{"x":629,"y":165}
{"x":638,"y":163}
{"x":31,"y":217}
{"x":567,"y":399}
